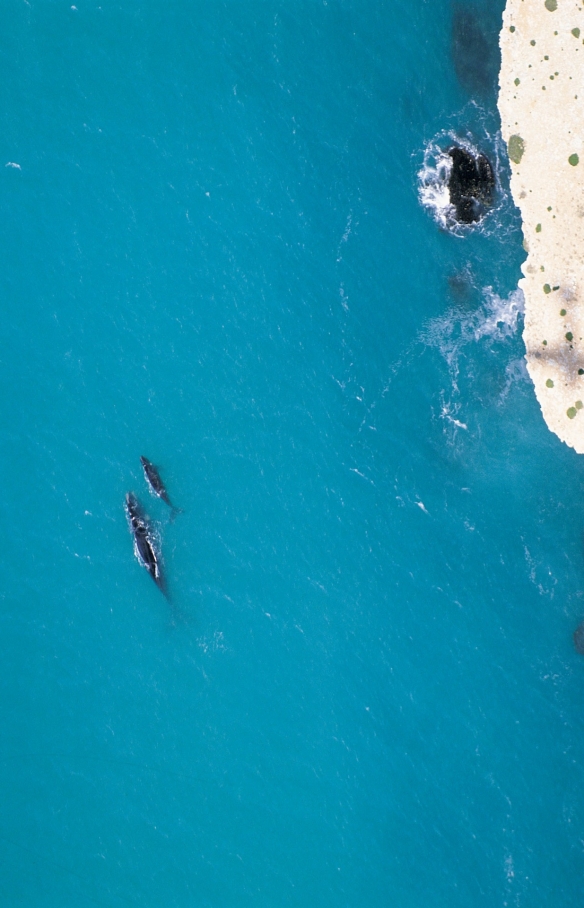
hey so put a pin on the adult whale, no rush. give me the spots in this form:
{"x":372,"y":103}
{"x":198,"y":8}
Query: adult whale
{"x":144,"y":549}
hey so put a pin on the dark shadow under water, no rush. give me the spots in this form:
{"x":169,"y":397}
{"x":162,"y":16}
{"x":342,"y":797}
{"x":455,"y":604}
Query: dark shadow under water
{"x":475,"y":46}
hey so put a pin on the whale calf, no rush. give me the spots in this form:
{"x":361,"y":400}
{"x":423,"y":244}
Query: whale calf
{"x":144,"y":549}
{"x":156,"y":484}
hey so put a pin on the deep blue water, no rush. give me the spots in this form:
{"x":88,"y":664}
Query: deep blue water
{"x":363,"y":690}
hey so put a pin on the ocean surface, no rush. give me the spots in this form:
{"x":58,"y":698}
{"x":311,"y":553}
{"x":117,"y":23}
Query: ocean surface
{"x":225,"y":246}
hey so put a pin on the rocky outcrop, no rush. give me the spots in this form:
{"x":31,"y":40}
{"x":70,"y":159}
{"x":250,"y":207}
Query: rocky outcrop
{"x":542,"y":120}
{"x":471,"y":184}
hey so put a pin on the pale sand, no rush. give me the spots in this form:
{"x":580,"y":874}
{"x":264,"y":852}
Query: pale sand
{"x":541,"y":100}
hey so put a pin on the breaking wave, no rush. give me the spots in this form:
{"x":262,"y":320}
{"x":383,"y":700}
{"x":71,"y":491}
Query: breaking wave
{"x":495,"y":321}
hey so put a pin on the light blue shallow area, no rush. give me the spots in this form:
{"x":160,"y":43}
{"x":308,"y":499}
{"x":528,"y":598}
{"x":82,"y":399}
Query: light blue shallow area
{"x":363,"y":691}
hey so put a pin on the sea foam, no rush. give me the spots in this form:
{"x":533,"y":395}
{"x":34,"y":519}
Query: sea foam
{"x":434,"y":174}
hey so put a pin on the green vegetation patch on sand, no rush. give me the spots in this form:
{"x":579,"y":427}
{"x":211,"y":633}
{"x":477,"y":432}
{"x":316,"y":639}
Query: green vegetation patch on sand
{"x":516,"y":147}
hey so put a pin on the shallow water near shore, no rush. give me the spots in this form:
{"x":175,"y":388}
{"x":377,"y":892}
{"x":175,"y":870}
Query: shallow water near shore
{"x":363,"y":688}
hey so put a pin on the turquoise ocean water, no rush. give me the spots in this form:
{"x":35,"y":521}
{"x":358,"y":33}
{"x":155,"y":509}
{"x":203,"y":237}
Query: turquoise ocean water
{"x":363,"y":690}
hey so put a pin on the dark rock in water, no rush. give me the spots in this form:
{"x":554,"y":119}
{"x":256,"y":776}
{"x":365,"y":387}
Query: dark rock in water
{"x":471,"y":184}
{"x":579,"y":639}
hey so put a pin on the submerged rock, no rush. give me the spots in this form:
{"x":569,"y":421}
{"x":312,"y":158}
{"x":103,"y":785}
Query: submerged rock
{"x":579,"y":639}
{"x":471,"y":184}
{"x":461,"y":287}
{"x":474,"y":48}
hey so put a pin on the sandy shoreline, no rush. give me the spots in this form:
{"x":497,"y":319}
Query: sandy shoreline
{"x":541,"y":102}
